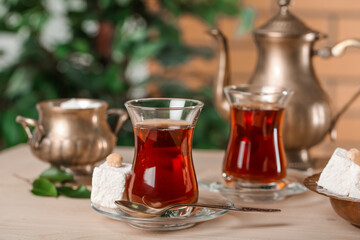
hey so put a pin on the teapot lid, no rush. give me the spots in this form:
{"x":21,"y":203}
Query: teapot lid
{"x":285,"y":24}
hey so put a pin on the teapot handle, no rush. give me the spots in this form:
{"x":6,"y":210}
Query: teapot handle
{"x":336,"y":51}
{"x":122,"y":118}
{"x":26,"y":122}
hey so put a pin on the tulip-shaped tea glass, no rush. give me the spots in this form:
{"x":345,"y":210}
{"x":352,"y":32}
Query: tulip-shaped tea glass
{"x":163,"y":171}
{"x":255,"y":156}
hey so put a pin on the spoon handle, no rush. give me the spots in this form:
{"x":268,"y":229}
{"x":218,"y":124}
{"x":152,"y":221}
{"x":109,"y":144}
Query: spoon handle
{"x":232,"y":208}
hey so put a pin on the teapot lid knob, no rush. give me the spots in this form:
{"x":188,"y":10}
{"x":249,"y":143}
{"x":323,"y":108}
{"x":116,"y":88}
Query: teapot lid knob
{"x":284,"y":3}
{"x":285,"y":24}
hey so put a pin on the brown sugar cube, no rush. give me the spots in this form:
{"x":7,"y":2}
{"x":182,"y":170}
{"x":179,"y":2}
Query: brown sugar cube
{"x":114,"y":160}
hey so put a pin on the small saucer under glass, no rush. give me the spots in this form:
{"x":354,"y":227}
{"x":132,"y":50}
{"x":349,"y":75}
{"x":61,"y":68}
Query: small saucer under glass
{"x":250,"y":192}
{"x":172,"y":219}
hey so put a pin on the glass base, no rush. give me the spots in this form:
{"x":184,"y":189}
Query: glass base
{"x":255,"y":192}
{"x":161,"y":227}
{"x":243,"y":184}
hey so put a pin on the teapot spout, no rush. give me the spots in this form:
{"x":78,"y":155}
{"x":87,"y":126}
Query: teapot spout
{"x":223,"y":76}
{"x":332,"y":130}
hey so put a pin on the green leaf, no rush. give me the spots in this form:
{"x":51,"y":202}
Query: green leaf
{"x":105,"y":3}
{"x":172,"y":6}
{"x":112,"y":79}
{"x":80,"y":192}
{"x":11,"y":132}
{"x":247,"y":16}
{"x":48,"y":90}
{"x":173,"y":54}
{"x":62,"y":51}
{"x":54,"y":174}
{"x":43,"y":187}
{"x":80,"y":45}
{"x":123,"y":2}
{"x":20,"y":82}
{"x":36,"y":20}
{"x":147,"y":50}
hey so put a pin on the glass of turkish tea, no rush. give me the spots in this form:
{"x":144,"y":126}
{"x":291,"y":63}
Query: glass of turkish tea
{"x":163,"y":173}
{"x":255,"y":154}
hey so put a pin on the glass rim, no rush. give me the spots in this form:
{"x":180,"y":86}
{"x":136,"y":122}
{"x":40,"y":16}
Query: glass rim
{"x":278,"y":90}
{"x":130,"y":103}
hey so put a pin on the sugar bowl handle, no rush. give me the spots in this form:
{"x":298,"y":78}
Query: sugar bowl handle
{"x":122,"y":118}
{"x":26,"y":122}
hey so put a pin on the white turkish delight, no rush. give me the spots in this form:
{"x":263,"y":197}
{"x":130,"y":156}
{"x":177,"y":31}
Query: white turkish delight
{"x":108,"y":184}
{"x":342,"y":174}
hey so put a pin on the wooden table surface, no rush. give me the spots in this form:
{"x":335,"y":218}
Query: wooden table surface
{"x":25,"y":216}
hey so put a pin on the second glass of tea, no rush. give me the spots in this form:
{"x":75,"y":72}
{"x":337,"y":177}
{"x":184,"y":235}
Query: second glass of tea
{"x":255,"y":156}
{"x":163,"y":173}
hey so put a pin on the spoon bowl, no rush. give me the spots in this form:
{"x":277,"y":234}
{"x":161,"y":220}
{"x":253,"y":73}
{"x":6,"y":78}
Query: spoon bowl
{"x":141,"y":210}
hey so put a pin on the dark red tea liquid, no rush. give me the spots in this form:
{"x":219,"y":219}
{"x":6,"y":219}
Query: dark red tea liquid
{"x":255,"y":151}
{"x":163,"y":171}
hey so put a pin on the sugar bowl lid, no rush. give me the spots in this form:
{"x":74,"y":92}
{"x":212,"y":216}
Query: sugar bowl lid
{"x":285,"y":24}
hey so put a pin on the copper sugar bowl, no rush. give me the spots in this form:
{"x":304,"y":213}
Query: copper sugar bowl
{"x":72,"y":138}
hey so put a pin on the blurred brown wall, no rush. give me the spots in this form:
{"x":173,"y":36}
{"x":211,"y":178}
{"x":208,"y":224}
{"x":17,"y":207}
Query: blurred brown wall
{"x":340,"y":77}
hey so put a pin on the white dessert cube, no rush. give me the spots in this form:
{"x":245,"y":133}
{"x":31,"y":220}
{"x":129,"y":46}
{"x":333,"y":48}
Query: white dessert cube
{"x":355,"y":187}
{"x":108,"y":184}
{"x":341,"y":175}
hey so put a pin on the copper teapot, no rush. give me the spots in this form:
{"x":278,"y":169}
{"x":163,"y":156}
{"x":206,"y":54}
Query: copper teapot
{"x":285,"y":50}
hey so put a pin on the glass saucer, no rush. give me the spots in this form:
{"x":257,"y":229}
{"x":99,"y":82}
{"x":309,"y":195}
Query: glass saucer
{"x":291,"y":185}
{"x":171,"y":220}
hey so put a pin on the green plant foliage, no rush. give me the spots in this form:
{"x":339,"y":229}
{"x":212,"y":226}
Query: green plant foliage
{"x":43,"y":187}
{"x":56,"y":175}
{"x":83,"y":48}
{"x":247,"y":16}
{"x":52,"y":183}
{"x":79,"y":192}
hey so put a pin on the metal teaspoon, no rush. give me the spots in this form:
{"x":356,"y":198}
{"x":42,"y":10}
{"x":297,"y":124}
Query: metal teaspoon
{"x":133,"y":207}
